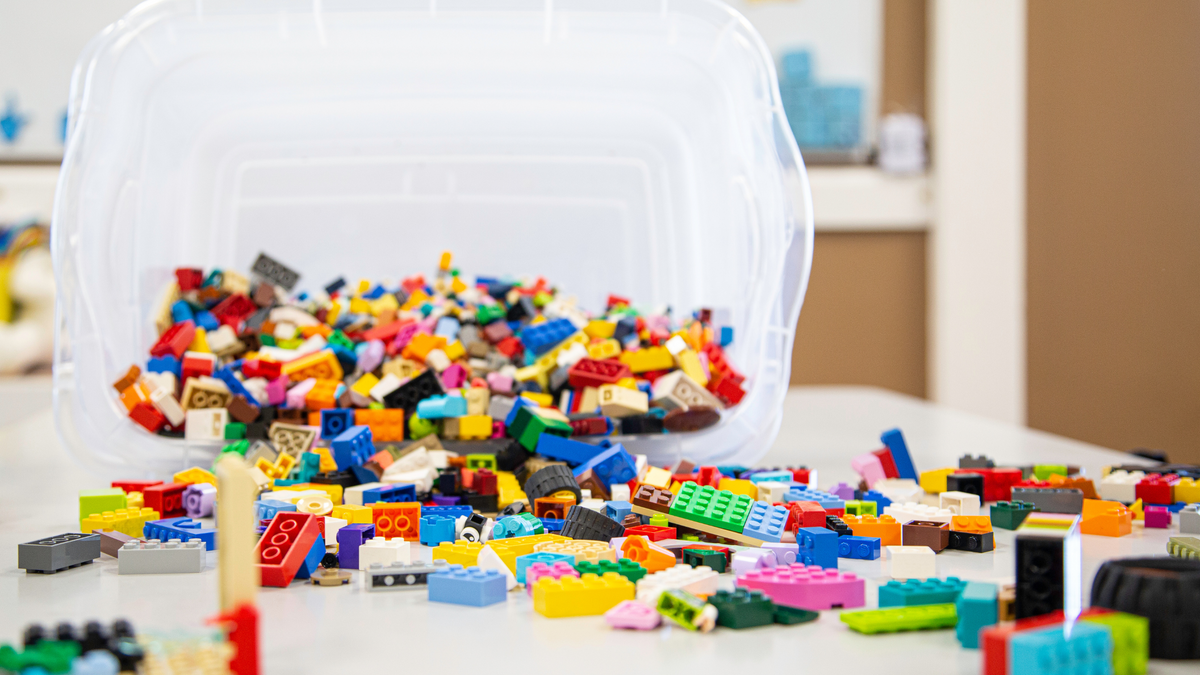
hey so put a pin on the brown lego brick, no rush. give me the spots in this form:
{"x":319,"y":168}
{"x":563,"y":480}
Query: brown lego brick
{"x":650,"y":497}
{"x":926,"y":533}
{"x":589,"y":481}
{"x":694,"y":418}
{"x":242,"y":410}
{"x":128,"y":380}
{"x":111,"y":541}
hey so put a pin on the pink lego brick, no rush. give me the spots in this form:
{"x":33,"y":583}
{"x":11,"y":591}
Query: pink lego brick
{"x":869,"y":467}
{"x":295,"y":396}
{"x":454,"y":376}
{"x":501,"y":384}
{"x":556,"y":571}
{"x":277,"y":391}
{"x":498,"y":429}
{"x":633,"y":614}
{"x":812,"y":587}
{"x":1158,"y":517}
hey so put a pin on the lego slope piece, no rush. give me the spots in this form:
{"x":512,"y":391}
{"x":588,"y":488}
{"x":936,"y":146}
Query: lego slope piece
{"x":1049,"y":574}
{"x":472,"y":586}
{"x":807,"y":587}
{"x":923,"y":617}
{"x":54,"y":554}
{"x":159,"y":557}
{"x":977,"y":609}
{"x":588,"y":595}
{"x":687,"y":610}
{"x":743,"y":609}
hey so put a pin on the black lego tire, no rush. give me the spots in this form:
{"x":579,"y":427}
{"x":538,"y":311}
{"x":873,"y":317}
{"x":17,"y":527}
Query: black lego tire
{"x":1165,"y":590}
{"x":551,"y":479}
{"x":583,"y":523}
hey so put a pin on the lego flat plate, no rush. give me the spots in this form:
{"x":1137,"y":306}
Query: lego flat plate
{"x":311,"y":625}
{"x":676,"y":520}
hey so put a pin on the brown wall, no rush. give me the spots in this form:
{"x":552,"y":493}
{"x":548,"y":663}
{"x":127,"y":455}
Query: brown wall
{"x":863,"y":320}
{"x":1114,"y":222}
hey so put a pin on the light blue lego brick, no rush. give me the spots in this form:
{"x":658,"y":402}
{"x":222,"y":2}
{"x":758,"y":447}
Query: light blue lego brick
{"x":307,"y":468}
{"x":313,"y":560}
{"x":436,"y":529}
{"x":352,"y":447}
{"x":826,"y":500}
{"x":524,"y":561}
{"x":726,"y":336}
{"x":977,"y":609}
{"x":182,"y":529}
{"x":566,"y":450}
{"x":398,"y":492}
{"x":915,"y":592}
{"x":765,"y":522}
{"x":617,"y":510}
{"x":796,"y":67}
{"x":447,"y":327}
{"x":445,"y":405}
{"x":517,"y":526}
{"x":541,"y":338}
{"x":772,"y":476}
{"x":265,"y":509}
{"x":613,"y":464}
{"x":1049,"y":652}
{"x":444,"y":511}
{"x":858,"y":548}
{"x":472,"y":586}
{"x":894,"y":440}
{"x":818,"y":546}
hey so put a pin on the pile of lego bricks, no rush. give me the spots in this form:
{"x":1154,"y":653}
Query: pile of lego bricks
{"x":237,"y":355}
{"x":574,"y":529}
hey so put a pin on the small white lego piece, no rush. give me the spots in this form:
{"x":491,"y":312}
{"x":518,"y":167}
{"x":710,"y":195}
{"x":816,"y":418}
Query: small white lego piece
{"x":1121,"y":486}
{"x":383,"y":551}
{"x":960,"y":503}
{"x":697,"y":581}
{"x":490,"y":560}
{"x":619,"y":492}
{"x":206,"y":424}
{"x":912,"y":562}
{"x":910,"y":511}
{"x":899,"y":489}
{"x":1189,"y":519}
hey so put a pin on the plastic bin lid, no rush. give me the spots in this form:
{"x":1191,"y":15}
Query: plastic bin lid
{"x":635,"y":147}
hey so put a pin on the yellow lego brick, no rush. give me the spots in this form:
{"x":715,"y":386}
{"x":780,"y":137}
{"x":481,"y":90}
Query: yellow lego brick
{"x":280,"y":469}
{"x":599,"y":328}
{"x":360,"y":306}
{"x":627,"y":383}
{"x":1138,"y":512}
{"x":455,"y":350}
{"x":322,"y":365}
{"x":689,"y":362}
{"x":591,"y":551}
{"x":542,"y":400}
{"x":444,"y":261}
{"x":657,"y":477}
{"x":648,"y":359}
{"x":335,"y":310}
{"x":588,"y":595}
{"x":604,"y":349}
{"x":363,"y":386}
{"x":474,"y":427}
{"x":935,"y":481}
{"x":134,"y":500}
{"x":200,"y":342}
{"x":549,"y":361}
{"x":509,"y":495}
{"x":457,"y":285}
{"x":1187,"y":490}
{"x":676,"y":486}
{"x":509,"y":549}
{"x":126,"y":521}
{"x":739,"y":487}
{"x":461,"y":552}
{"x":334,"y":491}
{"x":194,"y":475}
{"x":418,"y":298}
{"x":385,"y":302}
{"x":352,"y":513}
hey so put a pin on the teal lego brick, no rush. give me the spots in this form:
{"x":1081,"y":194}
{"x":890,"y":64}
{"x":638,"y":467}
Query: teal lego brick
{"x":1050,"y":651}
{"x":709,"y":506}
{"x":977,"y":608}
{"x":915,"y":592}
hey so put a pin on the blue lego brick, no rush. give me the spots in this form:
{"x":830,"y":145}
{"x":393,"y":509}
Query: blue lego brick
{"x":774,"y":476}
{"x":363,"y":474}
{"x":617,"y":510}
{"x":915,"y":592}
{"x":182,"y":529}
{"x":725,"y":338}
{"x":572,"y":452}
{"x":518,"y":403}
{"x":524,"y":561}
{"x":436,"y":529}
{"x":873,"y":496}
{"x":541,"y":338}
{"x":349,"y":539}
{"x":444,"y":511}
{"x":335,"y":421}
{"x":894,"y":440}
{"x":206,"y":320}
{"x":398,"y":492}
{"x":552,"y":524}
{"x":313,"y":560}
{"x":796,"y":67}
{"x":732,"y":470}
{"x":1049,"y":652}
{"x":977,"y":609}
{"x":165,"y":364}
{"x":472,"y":586}
{"x":765,"y":521}
{"x":447,"y":327}
{"x":235,"y":385}
{"x":445,"y":405}
{"x":265,"y":509}
{"x":346,"y":358}
{"x":182,"y":311}
{"x":826,"y":500}
{"x":352,"y":447}
{"x":818,"y":546}
{"x":858,"y":548}
{"x":612,"y":465}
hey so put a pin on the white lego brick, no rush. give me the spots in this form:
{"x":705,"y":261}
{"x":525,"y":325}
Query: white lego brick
{"x":1121,"y":486}
{"x":384,"y":552}
{"x":619,"y":492}
{"x":421,"y":478}
{"x":417,"y":459}
{"x":354,"y":495}
{"x":257,"y":386}
{"x":641,"y":463}
{"x":960,"y":503}
{"x":593,"y":504}
{"x":157,"y":557}
{"x":206,"y":424}
{"x":168,"y":405}
{"x":332,"y":525}
{"x":490,"y":560}
{"x":440,"y":459}
{"x":677,"y":390}
{"x":1189,"y":519}
{"x":772,"y":491}
{"x":223,"y":340}
{"x":899,"y":489}
{"x":437,"y":360}
{"x":697,"y":581}
{"x":912,"y":562}
{"x":910,"y":511}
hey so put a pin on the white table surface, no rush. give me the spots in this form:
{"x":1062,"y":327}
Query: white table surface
{"x":308,"y":629}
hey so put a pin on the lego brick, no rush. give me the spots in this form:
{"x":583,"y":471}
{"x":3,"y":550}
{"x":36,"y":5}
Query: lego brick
{"x":765,"y":521}
{"x":436,"y":529}
{"x":111,"y":542}
{"x":1131,"y":640}
{"x":183,"y":529}
{"x":199,"y":500}
{"x":349,"y":539}
{"x":580,"y":551}
{"x":381,"y":551}
{"x":869,"y":467}
{"x":968,"y":483}
{"x":926,"y":592}
{"x":910,"y":511}
{"x":1010,"y":515}
{"x":401,"y":576}
{"x":894,"y":440}
{"x":826,"y":500}
{"x":1048,"y":651}
{"x":743,"y":609}
{"x":54,"y":554}
{"x":127,"y":521}
{"x":752,"y":559}
{"x":687,"y":610}
{"x":698,"y":557}
{"x":859,"y":548}
{"x":959,"y":503}
{"x":855,"y":507}
{"x":631,"y":614}
{"x":651,"y":556}
{"x":977,"y":609}
{"x":352,"y":447}
{"x":625,"y":567}
{"x":555,"y":570}
{"x":161,"y":557}
{"x":397,"y":520}
{"x":1050,"y":500}
{"x":720,"y":509}
{"x":838,"y":525}
{"x":975,"y":462}
{"x":699,"y":581}
{"x":805,"y":514}
{"x":807,"y":587}
{"x":934,"y":481}
{"x":885,"y":528}
{"x":1121,"y":486}
{"x":523,"y":562}
{"x":588,"y":595}
{"x":1189,"y":519}
{"x":1157,"y":517}
{"x":284,"y":546}
{"x":912,"y":562}
{"x":1048,"y":562}
{"x":974,"y":542}
{"x":997,"y":483}
{"x":99,"y":501}
{"x":899,"y":490}
{"x":166,"y":499}
{"x":613,"y":464}
{"x":817,"y":546}
{"x":471,"y":586}
{"x":923,"y":617}
{"x":926,"y":533}
{"x":652,"y":499}
{"x":510,"y":549}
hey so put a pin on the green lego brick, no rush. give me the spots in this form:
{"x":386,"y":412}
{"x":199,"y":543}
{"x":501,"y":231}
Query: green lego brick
{"x":1010,"y":515}
{"x":681,"y":607}
{"x":266,"y":340}
{"x":99,"y":501}
{"x":743,"y":609}
{"x":898,"y":619}
{"x":915,"y":592}
{"x":339,"y":338}
{"x":861,"y":508}
{"x":48,"y":656}
{"x":791,"y":616}
{"x":486,"y":314}
{"x":689,"y":537}
{"x":625,"y":567}
{"x":528,"y":426}
{"x":718,"y":508}
{"x":1044,"y":471}
{"x":481,"y":461}
{"x":1184,"y":547}
{"x":697,"y":557}
{"x":240,"y":447}
{"x":1131,"y":641}
{"x":659,"y":520}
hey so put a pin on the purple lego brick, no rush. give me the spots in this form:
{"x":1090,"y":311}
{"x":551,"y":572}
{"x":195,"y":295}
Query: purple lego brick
{"x":349,"y":538}
{"x":198,"y":500}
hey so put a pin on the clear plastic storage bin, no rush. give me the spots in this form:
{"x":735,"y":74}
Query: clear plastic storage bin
{"x":635,"y":147}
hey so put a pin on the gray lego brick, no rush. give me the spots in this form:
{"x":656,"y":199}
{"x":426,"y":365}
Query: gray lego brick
{"x":975,"y":462}
{"x":1189,"y":519}
{"x":157,"y":557}
{"x":1051,"y":500}
{"x":54,"y":554}
{"x":401,"y":576}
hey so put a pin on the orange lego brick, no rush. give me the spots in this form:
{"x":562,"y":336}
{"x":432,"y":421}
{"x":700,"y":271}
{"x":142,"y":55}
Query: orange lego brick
{"x":1107,"y":519}
{"x":552,"y":507}
{"x":885,"y":527}
{"x":972,"y":524}
{"x":394,"y":520}
{"x":420,"y":345}
{"x":651,"y":556}
{"x":323,"y":395}
{"x":386,"y":425}
{"x":322,"y":365}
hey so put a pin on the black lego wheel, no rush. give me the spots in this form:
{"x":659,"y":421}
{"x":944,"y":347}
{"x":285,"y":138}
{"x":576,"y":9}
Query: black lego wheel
{"x":551,"y":479}
{"x":1165,"y":590}
{"x":582,"y":523}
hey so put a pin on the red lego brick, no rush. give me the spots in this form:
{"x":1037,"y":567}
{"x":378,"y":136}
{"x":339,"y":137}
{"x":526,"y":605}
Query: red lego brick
{"x":1156,"y":489}
{"x":804,"y":514}
{"x":683,"y":477}
{"x":241,"y":631}
{"x":167,"y":499}
{"x":195,"y":366}
{"x":262,"y":368}
{"x":591,"y":426}
{"x":800,"y":475}
{"x":175,"y":340}
{"x":397,"y":520}
{"x":484,"y":482}
{"x":510,"y":347}
{"x":614,"y":300}
{"x":387,"y":331}
{"x":135,"y":485}
{"x":889,"y":464}
{"x":593,"y":373}
{"x":730,"y":392}
{"x":997,"y":483}
{"x":236,"y":307}
{"x":189,"y":279}
{"x":708,"y":475}
{"x":652,"y":532}
{"x":719,"y":365}
{"x":145,"y":414}
{"x":284,"y":546}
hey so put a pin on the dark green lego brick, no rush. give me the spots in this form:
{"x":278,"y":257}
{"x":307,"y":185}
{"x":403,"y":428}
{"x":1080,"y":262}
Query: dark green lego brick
{"x":792,"y":616}
{"x":528,"y":426}
{"x":743,"y":609}
{"x":1010,"y":515}
{"x":234,"y":431}
{"x":717,"y":508}
{"x":625,"y":567}
{"x":697,"y":557}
